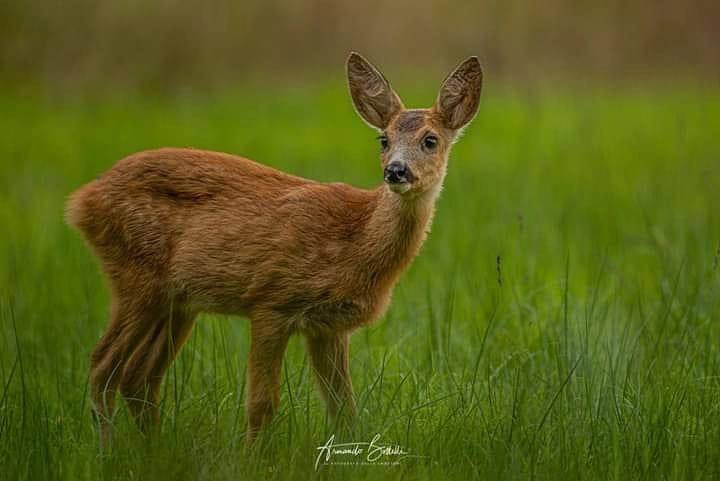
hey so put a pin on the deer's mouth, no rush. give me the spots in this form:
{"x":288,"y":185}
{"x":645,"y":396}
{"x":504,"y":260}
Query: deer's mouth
{"x":399,"y":187}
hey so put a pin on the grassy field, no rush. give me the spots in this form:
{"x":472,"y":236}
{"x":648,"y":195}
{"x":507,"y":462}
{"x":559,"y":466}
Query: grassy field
{"x":562,"y":321}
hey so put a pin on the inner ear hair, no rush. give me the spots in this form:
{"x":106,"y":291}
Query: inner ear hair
{"x":459,"y":96}
{"x":373,"y":98}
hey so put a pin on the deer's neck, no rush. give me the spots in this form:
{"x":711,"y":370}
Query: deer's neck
{"x":395,"y":231}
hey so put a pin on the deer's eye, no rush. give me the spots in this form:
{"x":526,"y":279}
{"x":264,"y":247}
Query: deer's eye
{"x":430,"y":142}
{"x":383,"y":142}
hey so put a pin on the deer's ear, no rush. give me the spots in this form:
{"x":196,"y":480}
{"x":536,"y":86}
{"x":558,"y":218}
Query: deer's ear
{"x":459,"y":95}
{"x":374,"y":99}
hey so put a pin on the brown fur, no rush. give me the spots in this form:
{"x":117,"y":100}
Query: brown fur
{"x":410,"y":120}
{"x":182,"y":231}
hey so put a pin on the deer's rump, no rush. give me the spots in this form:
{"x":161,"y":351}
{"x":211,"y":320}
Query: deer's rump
{"x":135,"y":215}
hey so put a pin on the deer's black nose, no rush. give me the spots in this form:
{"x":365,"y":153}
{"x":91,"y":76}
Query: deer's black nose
{"x":397,"y":173}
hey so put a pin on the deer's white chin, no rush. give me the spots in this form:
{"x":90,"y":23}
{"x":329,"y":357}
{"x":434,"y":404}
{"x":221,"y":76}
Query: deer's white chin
{"x":399,"y":187}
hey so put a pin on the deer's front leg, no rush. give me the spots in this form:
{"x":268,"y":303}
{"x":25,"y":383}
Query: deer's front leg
{"x":267,"y":347}
{"x":330,"y":358}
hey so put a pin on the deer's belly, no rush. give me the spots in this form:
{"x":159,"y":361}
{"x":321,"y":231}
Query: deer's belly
{"x":345,"y":315}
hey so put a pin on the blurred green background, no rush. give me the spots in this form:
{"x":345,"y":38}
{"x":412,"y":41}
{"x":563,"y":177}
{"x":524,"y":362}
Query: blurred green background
{"x":196,"y":44}
{"x":561,"y":321}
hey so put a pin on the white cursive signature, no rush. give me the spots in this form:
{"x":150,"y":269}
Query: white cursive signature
{"x":372,"y":451}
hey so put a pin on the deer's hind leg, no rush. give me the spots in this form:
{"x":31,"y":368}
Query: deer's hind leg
{"x":166,"y":328}
{"x":106,"y":368}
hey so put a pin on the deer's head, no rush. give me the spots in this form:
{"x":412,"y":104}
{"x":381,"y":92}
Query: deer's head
{"x":415,"y":143}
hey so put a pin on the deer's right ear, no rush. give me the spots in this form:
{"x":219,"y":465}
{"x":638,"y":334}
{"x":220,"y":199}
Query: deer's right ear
{"x":374,"y":99}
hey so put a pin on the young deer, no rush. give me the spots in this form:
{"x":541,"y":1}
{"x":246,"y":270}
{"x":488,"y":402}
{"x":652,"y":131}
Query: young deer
{"x":184,"y":231}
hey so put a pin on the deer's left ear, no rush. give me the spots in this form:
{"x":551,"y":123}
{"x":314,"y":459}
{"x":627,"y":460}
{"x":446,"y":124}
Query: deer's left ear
{"x":459,"y":96}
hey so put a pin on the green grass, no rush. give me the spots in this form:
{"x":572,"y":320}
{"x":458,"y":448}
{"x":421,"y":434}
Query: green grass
{"x":562,"y":321}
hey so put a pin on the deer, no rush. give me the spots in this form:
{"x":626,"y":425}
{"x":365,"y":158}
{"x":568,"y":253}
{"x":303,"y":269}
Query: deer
{"x":180,"y":232}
